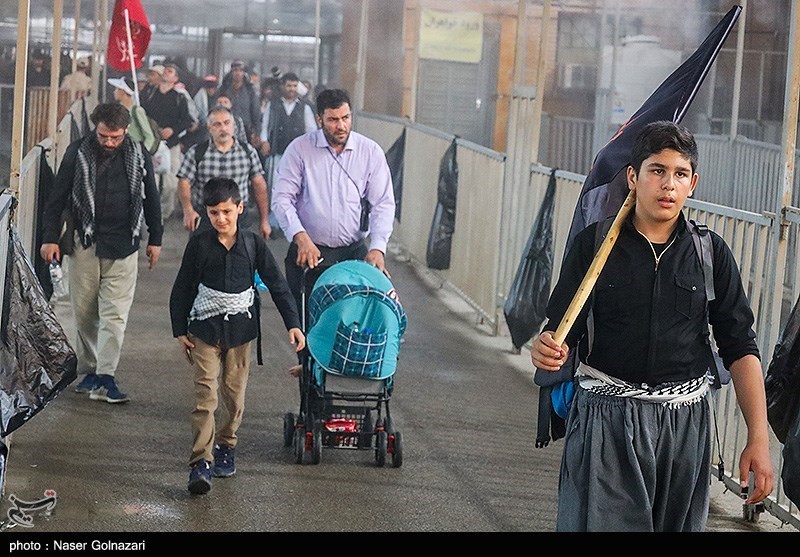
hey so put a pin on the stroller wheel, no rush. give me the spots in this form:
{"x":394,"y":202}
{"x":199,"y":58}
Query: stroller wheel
{"x":299,"y":444}
{"x":397,"y":450}
{"x":288,"y":429}
{"x":381,"y":442}
{"x":316,"y":442}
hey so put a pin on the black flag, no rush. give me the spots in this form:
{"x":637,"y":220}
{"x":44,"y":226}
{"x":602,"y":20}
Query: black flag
{"x":606,"y":188}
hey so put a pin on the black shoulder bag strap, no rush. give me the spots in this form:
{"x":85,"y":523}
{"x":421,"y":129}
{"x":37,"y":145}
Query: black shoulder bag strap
{"x":250,"y":247}
{"x":366,"y":207}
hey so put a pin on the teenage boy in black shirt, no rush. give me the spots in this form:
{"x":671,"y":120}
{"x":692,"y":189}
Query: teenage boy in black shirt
{"x":637,"y":452}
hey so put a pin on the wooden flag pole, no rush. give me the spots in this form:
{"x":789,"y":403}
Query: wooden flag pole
{"x":593,"y":273}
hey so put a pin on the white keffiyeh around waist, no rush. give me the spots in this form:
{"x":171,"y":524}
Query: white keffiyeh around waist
{"x":210,"y":302}
{"x":673,"y":394}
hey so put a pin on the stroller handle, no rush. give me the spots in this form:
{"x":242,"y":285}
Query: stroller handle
{"x":303,"y":291}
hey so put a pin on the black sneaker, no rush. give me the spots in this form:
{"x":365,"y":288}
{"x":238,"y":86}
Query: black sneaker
{"x":224,"y":466}
{"x":200,"y":478}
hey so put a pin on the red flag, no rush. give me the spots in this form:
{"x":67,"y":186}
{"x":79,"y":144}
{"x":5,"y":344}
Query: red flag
{"x":118,"y":54}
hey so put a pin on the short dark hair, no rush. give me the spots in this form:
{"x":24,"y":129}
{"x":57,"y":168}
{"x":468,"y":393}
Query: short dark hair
{"x":289,"y":76}
{"x":113,"y":115}
{"x":331,"y":98}
{"x":219,"y":190}
{"x":657,"y":136}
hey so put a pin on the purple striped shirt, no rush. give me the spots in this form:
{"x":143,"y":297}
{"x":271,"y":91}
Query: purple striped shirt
{"x":313,"y":192}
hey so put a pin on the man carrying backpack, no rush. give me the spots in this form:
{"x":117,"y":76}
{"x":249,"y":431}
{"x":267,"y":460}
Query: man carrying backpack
{"x":223,"y":156}
{"x":637,"y":452}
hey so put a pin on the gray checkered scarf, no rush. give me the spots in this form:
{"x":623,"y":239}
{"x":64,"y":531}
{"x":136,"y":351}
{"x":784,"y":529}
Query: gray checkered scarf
{"x":85,"y":179}
{"x":210,"y":302}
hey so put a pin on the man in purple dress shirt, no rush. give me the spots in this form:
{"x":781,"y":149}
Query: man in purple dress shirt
{"x":332,"y":189}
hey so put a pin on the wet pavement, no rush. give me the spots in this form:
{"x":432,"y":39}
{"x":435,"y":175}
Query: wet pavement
{"x":464,"y":402}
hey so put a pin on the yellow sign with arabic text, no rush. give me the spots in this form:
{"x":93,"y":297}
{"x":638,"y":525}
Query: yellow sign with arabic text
{"x":452,"y":36}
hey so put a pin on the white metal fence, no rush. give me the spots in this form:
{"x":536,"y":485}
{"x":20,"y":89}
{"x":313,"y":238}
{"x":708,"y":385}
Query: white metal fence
{"x":494,"y":217}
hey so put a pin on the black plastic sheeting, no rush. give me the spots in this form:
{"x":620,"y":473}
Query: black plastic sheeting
{"x":782,"y":381}
{"x":526,"y":303}
{"x":394,"y":158}
{"x":440,"y":239}
{"x":37,"y":361}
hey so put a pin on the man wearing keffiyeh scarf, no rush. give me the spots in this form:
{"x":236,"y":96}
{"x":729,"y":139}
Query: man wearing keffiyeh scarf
{"x":107,"y":181}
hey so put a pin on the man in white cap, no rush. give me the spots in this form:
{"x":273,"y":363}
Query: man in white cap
{"x":140,"y":128}
{"x":78,"y":82}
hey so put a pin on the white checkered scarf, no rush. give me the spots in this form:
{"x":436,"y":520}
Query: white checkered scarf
{"x":210,"y":302}
{"x":85,"y":180}
{"x":678,"y":394}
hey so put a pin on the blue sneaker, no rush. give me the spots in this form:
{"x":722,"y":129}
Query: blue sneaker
{"x":89,"y":382}
{"x":200,"y":478}
{"x":106,"y":390}
{"x":224,"y":466}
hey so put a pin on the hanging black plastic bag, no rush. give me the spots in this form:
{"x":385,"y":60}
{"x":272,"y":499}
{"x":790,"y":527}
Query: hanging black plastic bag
{"x":444,"y":218}
{"x":527,"y":300}
{"x":782,"y":381}
{"x":36,"y":359}
{"x":394,"y":158}
{"x":790,"y":474}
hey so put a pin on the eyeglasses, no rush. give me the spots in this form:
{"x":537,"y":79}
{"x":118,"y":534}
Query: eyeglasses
{"x":115,"y":139}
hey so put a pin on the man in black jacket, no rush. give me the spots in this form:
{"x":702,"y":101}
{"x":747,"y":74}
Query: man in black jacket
{"x":169,"y":109}
{"x":107,"y":180}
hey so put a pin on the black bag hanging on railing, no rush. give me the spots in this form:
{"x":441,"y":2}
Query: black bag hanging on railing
{"x":526,"y":303}
{"x":782,"y":381}
{"x":790,"y":473}
{"x":444,"y":218}
{"x":394,"y":158}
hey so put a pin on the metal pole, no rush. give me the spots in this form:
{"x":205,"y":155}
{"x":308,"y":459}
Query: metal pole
{"x":412,"y":105}
{"x":540,"y":79}
{"x":361,"y":60}
{"x":96,"y":51}
{"x":737,"y":79}
{"x":316,"y":43}
{"x":55,"y":69}
{"x":75,"y":36}
{"x":101,"y":97}
{"x":130,"y":57}
{"x":520,"y":51}
{"x":790,"y":114}
{"x":20,"y":86}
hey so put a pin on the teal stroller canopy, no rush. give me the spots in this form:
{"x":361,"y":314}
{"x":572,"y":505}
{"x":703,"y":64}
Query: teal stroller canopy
{"x":355,"y":321}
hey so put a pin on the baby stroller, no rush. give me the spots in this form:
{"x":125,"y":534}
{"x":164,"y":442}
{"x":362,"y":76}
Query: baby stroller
{"x":355,"y":324}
